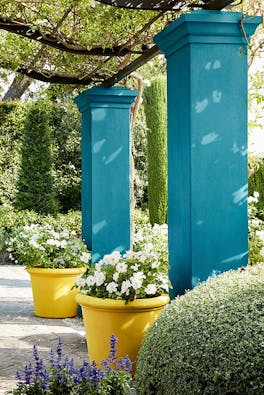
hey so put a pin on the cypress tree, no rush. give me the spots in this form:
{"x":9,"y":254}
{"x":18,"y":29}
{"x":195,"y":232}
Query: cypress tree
{"x":155,"y":107}
{"x":35,"y":187}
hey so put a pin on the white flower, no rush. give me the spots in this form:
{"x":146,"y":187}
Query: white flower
{"x":129,"y":254}
{"x":34,"y":244}
{"x":99,"y":278}
{"x":80,"y":281}
{"x":260,"y":234}
{"x":85,"y":257}
{"x":115,"y":276}
{"x":151,"y":289}
{"x":135,"y":267}
{"x":155,"y":265}
{"x":111,"y":287}
{"x":90,"y":281}
{"x":125,"y":286}
{"x":121,"y":267}
{"x":256,"y":195}
{"x":54,"y":242}
{"x":148,"y":247}
{"x":63,"y":243}
{"x":112,"y":259}
{"x":137,"y":280}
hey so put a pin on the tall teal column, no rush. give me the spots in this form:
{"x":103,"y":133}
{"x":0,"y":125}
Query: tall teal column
{"x":105,"y":168}
{"x":206,"y":55}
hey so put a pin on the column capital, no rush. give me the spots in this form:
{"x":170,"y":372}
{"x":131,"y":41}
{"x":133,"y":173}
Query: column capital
{"x":207,"y":27}
{"x":98,"y":97}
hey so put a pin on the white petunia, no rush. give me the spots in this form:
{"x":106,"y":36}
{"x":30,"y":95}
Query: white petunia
{"x":151,"y":289}
{"x":112,"y":259}
{"x":85,"y":257}
{"x":137,"y":280}
{"x":80,"y":281}
{"x":90,"y":281}
{"x":155,"y":265}
{"x":260,"y":234}
{"x":125,"y":286}
{"x":99,"y":278}
{"x":121,"y":267}
{"x":135,"y":267}
{"x":115,"y":276}
{"x":111,"y":287}
{"x":129,"y":254}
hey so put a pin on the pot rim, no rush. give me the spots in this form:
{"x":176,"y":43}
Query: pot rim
{"x":44,"y":270}
{"x":119,"y":304}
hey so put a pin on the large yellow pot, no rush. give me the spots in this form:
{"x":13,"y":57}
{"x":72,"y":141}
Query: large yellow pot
{"x":52,"y":293}
{"x":128,"y":322}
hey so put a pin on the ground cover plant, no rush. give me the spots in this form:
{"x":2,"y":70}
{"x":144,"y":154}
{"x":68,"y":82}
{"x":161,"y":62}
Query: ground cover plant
{"x":209,"y":341}
{"x":61,"y":376}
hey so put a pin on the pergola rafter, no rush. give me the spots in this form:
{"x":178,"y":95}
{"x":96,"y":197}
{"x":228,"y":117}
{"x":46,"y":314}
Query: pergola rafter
{"x":102,"y":64}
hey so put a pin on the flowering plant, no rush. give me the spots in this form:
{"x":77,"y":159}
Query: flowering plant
{"x":41,"y":246}
{"x":255,"y":231}
{"x":62,"y":377}
{"x":134,"y":275}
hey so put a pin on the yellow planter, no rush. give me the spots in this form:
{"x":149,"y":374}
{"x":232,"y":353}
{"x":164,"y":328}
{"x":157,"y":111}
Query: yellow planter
{"x":128,"y":322}
{"x":52,"y":293}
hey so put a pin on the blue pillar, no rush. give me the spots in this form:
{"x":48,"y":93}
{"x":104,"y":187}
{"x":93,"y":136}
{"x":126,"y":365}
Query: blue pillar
{"x":206,"y":55}
{"x":105,"y":168}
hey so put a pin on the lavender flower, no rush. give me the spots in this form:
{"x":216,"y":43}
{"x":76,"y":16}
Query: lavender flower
{"x":62,"y":377}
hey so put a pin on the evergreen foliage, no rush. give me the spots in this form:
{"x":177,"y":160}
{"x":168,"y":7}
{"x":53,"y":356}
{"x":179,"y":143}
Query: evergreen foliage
{"x":209,"y":341}
{"x":12,"y":117}
{"x":256,"y":184}
{"x":155,"y":106}
{"x":35,"y":185}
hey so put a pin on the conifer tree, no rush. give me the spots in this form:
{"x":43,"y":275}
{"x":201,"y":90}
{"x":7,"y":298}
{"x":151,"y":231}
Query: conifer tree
{"x":155,"y":107}
{"x":35,"y":187}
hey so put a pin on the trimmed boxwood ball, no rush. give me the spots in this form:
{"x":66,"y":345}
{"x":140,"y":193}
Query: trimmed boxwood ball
{"x":209,"y":341}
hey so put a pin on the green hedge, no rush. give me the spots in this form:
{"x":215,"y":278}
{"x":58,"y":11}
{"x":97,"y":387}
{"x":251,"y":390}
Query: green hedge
{"x":256,"y":184}
{"x":209,"y":341}
{"x":65,"y":124}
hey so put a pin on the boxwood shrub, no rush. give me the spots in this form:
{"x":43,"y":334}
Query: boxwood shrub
{"x":209,"y":341}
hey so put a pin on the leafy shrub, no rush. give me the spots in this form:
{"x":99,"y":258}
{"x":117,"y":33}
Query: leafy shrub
{"x":12,"y":118}
{"x":35,"y":182}
{"x":62,"y":377}
{"x":209,"y":341}
{"x":255,"y":231}
{"x":65,"y":123}
{"x":256,"y":183}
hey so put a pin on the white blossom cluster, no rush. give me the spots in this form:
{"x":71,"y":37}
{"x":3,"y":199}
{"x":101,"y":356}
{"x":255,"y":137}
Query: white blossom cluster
{"x":41,"y":246}
{"x":136,"y":274}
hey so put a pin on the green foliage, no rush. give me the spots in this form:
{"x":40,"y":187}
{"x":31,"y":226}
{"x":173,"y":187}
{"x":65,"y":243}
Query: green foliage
{"x":209,"y":341}
{"x":65,"y":123}
{"x":256,"y":183}
{"x":12,"y":117}
{"x":255,"y":231}
{"x":11,"y":219}
{"x":35,"y":181}
{"x":140,"y":161}
{"x":155,"y":106}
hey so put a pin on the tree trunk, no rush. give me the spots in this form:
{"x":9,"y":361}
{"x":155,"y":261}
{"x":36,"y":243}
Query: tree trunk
{"x":19,"y":85}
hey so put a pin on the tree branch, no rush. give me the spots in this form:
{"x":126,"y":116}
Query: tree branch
{"x":25,"y":30}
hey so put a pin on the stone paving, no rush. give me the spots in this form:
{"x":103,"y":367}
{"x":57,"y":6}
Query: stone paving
{"x":20,"y":329}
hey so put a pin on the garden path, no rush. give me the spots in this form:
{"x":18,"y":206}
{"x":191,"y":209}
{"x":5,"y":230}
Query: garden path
{"x":20,"y":329}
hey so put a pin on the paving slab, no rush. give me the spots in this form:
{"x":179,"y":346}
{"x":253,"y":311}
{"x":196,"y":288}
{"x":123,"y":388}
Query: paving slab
{"x":20,"y":329}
